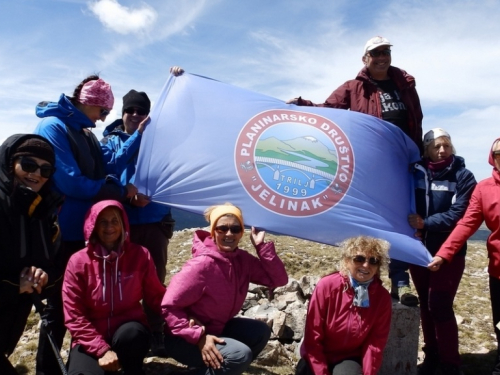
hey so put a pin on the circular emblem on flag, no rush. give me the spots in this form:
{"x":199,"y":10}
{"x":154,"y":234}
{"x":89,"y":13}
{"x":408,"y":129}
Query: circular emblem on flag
{"x":294,"y":163}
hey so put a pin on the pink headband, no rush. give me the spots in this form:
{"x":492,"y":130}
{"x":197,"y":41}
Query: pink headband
{"x":97,"y":93}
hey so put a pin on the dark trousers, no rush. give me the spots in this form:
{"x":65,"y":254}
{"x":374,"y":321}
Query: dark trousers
{"x":495,"y":305}
{"x":436,"y":291}
{"x":46,"y":362}
{"x":350,"y":366}
{"x":244,"y":340}
{"x":154,"y":237}
{"x":398,"y":273}
{"x":130,"y":343}
{"x":13,"y":317}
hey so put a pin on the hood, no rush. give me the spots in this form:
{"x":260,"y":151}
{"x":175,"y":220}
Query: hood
{"x":6,"y":151}
{"x":66,"y":111}
{"x":203,"y":244}
{"x":95,"y":210}
{"x":490,"y":155}
{"x":115,"y":127}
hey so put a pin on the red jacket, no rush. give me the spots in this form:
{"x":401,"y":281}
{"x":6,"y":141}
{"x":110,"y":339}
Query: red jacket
{"x":361,"y":95}
{"x":484,"y":205}
{"x":336,"y":330}
{"x":99,"y":294}
{"x":213,"y":285}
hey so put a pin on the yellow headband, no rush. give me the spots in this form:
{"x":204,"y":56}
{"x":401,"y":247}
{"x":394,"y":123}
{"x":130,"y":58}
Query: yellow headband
{"x":223,"y":210}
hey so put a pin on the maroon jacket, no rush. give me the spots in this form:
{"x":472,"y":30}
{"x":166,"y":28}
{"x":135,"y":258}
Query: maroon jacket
{"x":336,"y":330}
{"x":361,"y":95}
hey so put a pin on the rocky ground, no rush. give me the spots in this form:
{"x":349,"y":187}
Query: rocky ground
{"x":472,"y":307}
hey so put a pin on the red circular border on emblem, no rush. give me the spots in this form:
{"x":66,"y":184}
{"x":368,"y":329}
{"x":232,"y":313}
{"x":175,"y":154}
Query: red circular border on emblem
{"x":266,"y":196}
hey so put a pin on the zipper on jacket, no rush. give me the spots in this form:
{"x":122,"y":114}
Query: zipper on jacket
{"x":43,"y":240}
{"x":23,"y":238}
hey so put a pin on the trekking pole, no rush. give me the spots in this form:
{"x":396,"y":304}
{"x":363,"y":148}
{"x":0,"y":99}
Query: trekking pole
{"x":39,"y":307}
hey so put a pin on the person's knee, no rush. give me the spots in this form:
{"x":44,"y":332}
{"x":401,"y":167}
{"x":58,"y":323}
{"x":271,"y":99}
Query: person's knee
{"x":131,"y":334}
{"x":441,"y":306}
{"x":240,"y":356}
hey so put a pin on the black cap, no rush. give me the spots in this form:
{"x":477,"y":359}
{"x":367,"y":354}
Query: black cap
{"x":137,"y":99}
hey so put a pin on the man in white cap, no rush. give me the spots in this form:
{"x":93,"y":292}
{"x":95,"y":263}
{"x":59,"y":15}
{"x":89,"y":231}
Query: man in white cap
{"x":389,"y":93}
{"x":380,"y":90}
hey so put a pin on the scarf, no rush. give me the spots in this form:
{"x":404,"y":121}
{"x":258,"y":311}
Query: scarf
{"x":361,"y":297}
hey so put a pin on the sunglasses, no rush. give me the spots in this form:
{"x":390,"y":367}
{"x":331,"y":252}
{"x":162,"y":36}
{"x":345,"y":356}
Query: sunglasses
{"x":361,"y":259}
{"x":30,"y":166}
{"x":139,"y":111}
{"x":496,"y":154}
{"x":222,"y":229}
{"x":104,"y":112}
{"x":377,"y":53}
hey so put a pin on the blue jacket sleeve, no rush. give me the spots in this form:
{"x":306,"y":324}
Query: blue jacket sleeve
{"x":446,"y":221}
{"x":68,"y":177}
{"x":119,"y":154}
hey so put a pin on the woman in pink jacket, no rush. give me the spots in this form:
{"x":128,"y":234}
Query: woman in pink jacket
{"x":102,"y":292}
{"x":349,"y":315}
{"x":483,"y":206}
{"x":210,"y":290}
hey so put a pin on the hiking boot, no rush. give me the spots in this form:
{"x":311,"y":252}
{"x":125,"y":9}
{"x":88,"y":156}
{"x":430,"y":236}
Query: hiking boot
{"x":158,"y":345}
{"x":430,"y":364}
{"x":449,"y":369}
{"x":406,"y":297}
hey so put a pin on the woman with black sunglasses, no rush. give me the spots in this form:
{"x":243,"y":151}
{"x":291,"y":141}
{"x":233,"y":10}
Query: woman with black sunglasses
{"x":29,"y":234}
{"x":210,"y":290}
{"x":349,"y":314}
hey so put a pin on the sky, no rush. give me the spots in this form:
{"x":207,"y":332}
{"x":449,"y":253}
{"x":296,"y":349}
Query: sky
{"x":278,"y":48}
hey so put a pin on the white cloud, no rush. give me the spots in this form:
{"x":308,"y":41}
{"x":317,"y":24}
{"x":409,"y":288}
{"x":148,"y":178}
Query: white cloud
{"x":122,"y":19}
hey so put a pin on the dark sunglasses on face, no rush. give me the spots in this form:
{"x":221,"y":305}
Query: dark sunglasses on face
{"x":377,"y":53}
{"x":30,"y":166}
{"x":362,"y":259}
{"x":104,"y":112}
{"x":496,"y":154}
{"x":222,"y":229}
{"x":139,"y":111}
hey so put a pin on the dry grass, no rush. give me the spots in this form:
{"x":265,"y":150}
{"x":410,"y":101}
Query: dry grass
{"x":472,"y":306}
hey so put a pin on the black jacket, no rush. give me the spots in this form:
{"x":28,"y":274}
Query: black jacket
{"x":29,"y":232}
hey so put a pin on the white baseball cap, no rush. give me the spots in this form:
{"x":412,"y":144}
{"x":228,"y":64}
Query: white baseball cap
{"x":435,"y":134}
{"x":375,"y":42}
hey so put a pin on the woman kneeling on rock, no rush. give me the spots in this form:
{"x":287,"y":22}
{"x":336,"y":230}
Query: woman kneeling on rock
{"x":102,"y":292}
{"x":211,"y":288}
{"x":349,"y":314}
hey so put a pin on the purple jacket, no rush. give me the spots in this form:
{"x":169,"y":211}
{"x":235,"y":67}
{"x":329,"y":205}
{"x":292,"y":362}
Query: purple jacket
{"x":213,"y":285}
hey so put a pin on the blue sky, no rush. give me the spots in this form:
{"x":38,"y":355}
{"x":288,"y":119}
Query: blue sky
{"x":279,"y":48}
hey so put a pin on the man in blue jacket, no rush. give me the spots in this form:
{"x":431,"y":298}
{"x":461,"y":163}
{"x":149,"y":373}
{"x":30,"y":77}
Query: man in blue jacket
{"x":151,"y":224}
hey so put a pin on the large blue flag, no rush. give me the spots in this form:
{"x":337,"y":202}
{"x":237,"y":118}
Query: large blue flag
{"x":320,"y":174}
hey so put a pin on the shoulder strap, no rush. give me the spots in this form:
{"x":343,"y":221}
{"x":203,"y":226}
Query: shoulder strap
{"x":87,"y":152}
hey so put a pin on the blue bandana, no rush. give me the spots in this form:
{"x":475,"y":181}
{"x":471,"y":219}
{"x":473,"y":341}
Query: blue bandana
{"x":361,"y":297}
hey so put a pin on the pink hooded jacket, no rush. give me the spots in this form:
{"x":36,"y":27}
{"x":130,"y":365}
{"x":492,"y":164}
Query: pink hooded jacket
{"x":484,"y":205}
{"x":102,"y":292}
{"x":213,"y":285}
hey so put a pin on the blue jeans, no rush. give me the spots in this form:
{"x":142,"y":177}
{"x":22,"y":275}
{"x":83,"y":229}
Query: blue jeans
{"x":244,"y":340}
{"x":398,"y":273}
